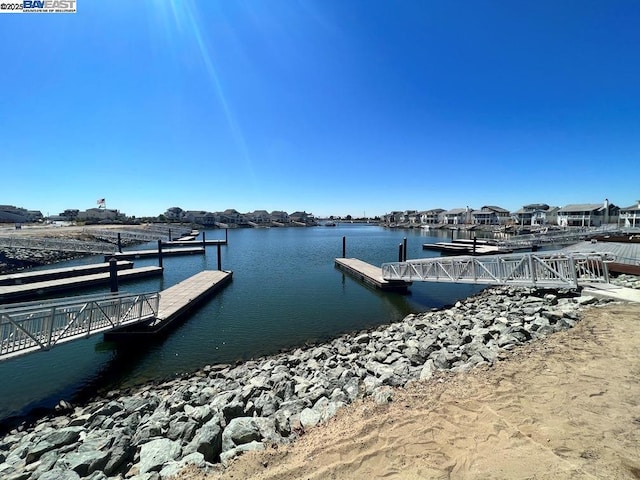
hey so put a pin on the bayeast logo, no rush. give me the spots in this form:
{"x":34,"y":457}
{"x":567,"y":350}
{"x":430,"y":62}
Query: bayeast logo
{"x":49,"y":6}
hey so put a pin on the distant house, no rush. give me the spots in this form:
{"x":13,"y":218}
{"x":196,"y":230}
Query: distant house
{"x":456,"y":216}
{"x":279,"y":216}
{"x":431,"y":217}
{"x":232,"y":217}
{"x":98,"y":214}
{"x":490,"y":215}
{"x":630,"y":216}
{"x":12,"y":214}
{"x":533,"y":214}
{"x":201,"y":217}
{"x":410,"y":217}
{"x":302,"y":217}
{"x":588,"y":214}
{"x":393,"y":217}
{"x":259,"y":216}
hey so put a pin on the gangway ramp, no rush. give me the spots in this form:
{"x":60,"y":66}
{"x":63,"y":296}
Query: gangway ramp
{"x":31,"y":326}
{"x":542,"y":269}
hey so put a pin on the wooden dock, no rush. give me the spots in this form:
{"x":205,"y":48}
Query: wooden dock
{"x":177,"y":301}
{"x":56,"y":273}
{"x":369,"y":274}
{"x":133,"y":254}
{"x":9,"y":293}
{"x":192,"y":243}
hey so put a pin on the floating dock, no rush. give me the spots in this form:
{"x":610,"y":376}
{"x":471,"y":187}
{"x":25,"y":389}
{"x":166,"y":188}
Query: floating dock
{"x":177,"y":301}
{"x":34,"y":290}
{"x":133,"y":254}
{"x":57,"y":273}
{"x":369,"y":274}
{"x":190,"y":243}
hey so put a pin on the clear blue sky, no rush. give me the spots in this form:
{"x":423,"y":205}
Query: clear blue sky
{"x":329,"y":106}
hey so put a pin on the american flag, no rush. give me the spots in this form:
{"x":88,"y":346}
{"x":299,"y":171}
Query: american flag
{"x":101,"y":201}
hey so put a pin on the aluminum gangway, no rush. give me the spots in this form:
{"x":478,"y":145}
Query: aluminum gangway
{"x":542,"y":269}
{"x":553,"y":238}
{"x":31,"y":326}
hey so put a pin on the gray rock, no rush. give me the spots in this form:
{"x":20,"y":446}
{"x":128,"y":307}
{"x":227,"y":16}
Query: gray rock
{"x":85,"y":463}
{"x":207,"y":441}
{"x":239,"y":431}
{"x":59,"y":475}
{"x":154,"y":454}
{"x":309,"y":418}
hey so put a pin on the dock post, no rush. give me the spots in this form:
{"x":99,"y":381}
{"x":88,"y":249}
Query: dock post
{"x":169,"y":234}
{"x":219,"y":258}
{"x":160,"y":253}
{"x":204,"y":242}
{"x":113,"y":274}
{"x":399,"y":252}
{"x":344,"y":247}
{"x":119,"y":243}
{"x":404,"y":249}
{"x":226,"y":236}
{"x":451,"y":230}
{"x":475,"y":241}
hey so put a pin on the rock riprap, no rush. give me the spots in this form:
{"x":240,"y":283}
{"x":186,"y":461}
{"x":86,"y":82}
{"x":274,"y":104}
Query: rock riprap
{"x":220,"y":411}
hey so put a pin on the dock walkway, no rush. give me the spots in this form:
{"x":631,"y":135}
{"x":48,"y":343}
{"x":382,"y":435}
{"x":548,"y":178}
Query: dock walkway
{"x":55,"y":273}
{"x":178,"y":300}
{"x":369,"y":274}
{"x":133,"y":254}
{"x":10,"y":293}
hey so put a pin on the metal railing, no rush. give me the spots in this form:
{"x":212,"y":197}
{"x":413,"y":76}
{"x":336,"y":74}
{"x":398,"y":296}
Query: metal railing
{"x":30,"y":326}
{"x":557,"y":270}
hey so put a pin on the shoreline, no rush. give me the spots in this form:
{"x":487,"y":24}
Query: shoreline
{"x":213,"y":415}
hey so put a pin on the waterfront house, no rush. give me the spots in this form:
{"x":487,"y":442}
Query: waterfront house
{"x":532,"y":214}
{"x":12,"y":214}
{"x":588,"y":214}
{"x":279,"y":216}
{"x":490,"y":215}
{"x":260,"y":217}
{"x":98,"y":214}
{"x":232,"y":217}
{"x":431,"y":217}
{"x":393,"y":218}
{"x":630,"y":216}
{"x":302,"y":217}
{"x":456,"y":216}
{"x":410,"y":217}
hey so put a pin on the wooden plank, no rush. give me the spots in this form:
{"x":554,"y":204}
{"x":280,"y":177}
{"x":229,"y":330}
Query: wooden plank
{"x":38,"y":289}
{"x":182,"y":243}
{"x":55,"y":273}
{"x":369,"y":274}
{"x":177,"y":301}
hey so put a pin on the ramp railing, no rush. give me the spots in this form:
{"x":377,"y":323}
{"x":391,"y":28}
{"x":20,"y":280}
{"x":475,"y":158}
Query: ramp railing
{"x":30,"y":326}
{"x":552,"y":270}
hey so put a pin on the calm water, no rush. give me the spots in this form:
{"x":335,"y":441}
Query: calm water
{"x":285,"y":292}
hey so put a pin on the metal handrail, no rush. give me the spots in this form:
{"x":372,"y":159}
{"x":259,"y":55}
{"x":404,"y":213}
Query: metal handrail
{"x":555,"y":270}
{"x":30,"y":326}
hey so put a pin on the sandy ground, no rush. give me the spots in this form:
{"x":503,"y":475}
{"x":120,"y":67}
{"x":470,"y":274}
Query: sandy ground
{"x":567,"y":407}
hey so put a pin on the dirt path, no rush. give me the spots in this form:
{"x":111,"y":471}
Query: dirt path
{"x":568,"y":407}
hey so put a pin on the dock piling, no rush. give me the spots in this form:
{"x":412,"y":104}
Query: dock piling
{"x":119,"y":243}
{"x":344,"y":247}
{"x":204,"y":240}
{"x":399,"y":252}
{"x":113,"y":275}
{"x":404,"y":249}
{"x":160,"y":252}
{"x":219,"y":258}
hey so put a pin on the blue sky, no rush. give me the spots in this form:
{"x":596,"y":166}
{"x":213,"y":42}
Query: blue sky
{"x":335,"y":107}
